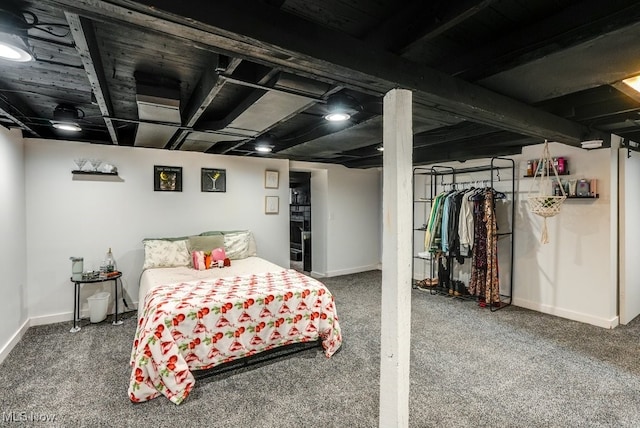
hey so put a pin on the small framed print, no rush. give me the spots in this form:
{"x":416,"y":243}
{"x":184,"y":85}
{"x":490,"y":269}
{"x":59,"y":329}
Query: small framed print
{"x":271,"y":204}
{"x":167,"y":178}
{"x":213,"y":180}
{"x":271,"y":179}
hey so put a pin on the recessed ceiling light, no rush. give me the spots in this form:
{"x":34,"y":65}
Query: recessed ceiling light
{"x":263,"y":149}
{"x":380,"y":148}
{"x":64,"y":126}
{"x":633,"y":82}
{"x":340,"y":107}
{"x":591,"y":144}
{"x":337,"y":117}
{"x":13,"y":48}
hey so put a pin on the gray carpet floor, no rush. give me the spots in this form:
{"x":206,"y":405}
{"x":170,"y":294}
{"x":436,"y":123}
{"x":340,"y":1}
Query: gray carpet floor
{"x":469,"y":368}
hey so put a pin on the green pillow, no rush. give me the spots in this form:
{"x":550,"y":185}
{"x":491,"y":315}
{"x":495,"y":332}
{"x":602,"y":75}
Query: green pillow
{"x":179,"y":238}
{"x":211,"y":232}
{"x":206,"y":242}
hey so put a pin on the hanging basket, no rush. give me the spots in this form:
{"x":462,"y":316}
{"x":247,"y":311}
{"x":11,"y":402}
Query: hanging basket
{"x":545,"y":205}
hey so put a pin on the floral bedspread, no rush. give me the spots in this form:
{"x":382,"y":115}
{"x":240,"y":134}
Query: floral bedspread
{"x":200,"y":324}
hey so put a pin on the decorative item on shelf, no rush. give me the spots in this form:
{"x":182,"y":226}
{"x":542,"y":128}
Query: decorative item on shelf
{"x":109,"y":168}
{"x":97,"y":167}
{"x":536,"y":166}
{"x":95,"y":164}
{"x":80,"y":163}
{"x":540,"y":203}
{"x":578,"y":188}
{"x":583,"y":188}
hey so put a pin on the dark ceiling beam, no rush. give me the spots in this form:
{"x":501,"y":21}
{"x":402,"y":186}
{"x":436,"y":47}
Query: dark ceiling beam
{"x":397,"y":30}
{"x":627,"y":90}
{"x":205,"y":91}
{"x":457,"y":13}
{"x":498,"y":143}
{"x":574,"y":25}
{"x":604,"y":109}
{"x":448,"y":134}
{"x":87,"y":46}
{"x":17,"y":115}
{"x":504,"y":144}
{"x":256,"y":30}
{"x":434,"y":156}
{"x":463,"y":153}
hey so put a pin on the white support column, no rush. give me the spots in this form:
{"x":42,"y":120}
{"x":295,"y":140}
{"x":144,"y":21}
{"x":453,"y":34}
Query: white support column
{"x":396,"y":259}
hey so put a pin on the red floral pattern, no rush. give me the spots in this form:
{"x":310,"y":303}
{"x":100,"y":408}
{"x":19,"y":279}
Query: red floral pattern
{"x":199,"y":324}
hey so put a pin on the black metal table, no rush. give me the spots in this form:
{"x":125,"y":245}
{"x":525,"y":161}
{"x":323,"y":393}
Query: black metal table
{"x":76,"y":300}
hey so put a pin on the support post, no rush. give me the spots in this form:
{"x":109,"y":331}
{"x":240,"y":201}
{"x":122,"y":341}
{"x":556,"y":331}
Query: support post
{"x":396,"y":259}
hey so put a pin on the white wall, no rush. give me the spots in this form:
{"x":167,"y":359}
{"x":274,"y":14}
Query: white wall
{"x":12,"y":245}
{"x":571,"y":276}
{"x":70,"y":217}
{"x":629,"y":234}
{"x":345,"y":218}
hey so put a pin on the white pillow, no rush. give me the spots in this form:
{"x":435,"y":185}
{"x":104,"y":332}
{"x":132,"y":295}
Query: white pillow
{"x":239,"y":245}
{"x":162,"y":253}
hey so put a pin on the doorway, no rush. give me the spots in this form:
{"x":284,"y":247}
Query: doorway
{"x":300,"y":220}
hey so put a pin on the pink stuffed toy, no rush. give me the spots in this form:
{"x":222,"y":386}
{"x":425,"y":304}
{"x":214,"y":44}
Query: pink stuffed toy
{"x":218,"y":254}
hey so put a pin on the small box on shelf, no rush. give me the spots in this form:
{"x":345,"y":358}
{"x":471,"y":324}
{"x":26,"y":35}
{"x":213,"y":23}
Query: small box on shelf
{"x":536,"y":167}
{"x":577,"y":189}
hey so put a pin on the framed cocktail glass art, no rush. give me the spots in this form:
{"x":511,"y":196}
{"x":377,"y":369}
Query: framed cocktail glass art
{"x":167,"y":178}
{"x":213,"y":180}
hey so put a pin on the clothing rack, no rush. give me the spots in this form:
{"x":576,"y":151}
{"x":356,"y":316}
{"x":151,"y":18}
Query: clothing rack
{"x":437,"y":175}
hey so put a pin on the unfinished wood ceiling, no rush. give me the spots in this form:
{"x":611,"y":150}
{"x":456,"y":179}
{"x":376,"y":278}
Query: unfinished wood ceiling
{"x":487,"y":76}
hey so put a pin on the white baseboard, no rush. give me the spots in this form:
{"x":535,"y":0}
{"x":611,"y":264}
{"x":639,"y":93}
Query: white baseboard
{"x":317,"y":275}
{"x":352,"y":270}
{"x":566,"y":313}
{"x":14,"y":340}
{"x":51,"y":319}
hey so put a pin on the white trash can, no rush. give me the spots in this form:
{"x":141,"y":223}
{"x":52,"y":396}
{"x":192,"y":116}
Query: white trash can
{"x":98,"y":304}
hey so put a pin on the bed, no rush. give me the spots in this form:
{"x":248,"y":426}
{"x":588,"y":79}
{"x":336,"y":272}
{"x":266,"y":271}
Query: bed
{"x":192,"y":320}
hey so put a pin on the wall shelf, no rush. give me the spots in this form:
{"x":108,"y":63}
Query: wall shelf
{"x":553,"y":175}
{"x":584,"y":197}
{"x":81,"y":172}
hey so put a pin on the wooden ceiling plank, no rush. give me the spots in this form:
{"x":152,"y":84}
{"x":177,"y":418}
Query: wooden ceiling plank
{"x":458,"y":12}
{"x":571,"y":26}
{"x":84,"y":37}
{"x":7,"y":110}
{"x":206,"y":90}
{"x":297,"y":45}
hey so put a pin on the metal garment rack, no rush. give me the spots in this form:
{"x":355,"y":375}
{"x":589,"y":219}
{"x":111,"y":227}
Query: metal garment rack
{"x":437,"y":171}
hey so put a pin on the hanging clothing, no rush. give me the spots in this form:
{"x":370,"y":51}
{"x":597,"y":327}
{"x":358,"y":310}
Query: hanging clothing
{"x":492,"y":284}
{"x":465,"y":225}
{"x":435,"y":237}
{"x":479,"y":258}
{"x":446,"y":212}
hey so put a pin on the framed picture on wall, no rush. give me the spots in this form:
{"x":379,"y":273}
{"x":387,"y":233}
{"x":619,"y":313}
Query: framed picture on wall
{"x":271,"y":204}
{"x":213,"y":180}
{"x":167,"y":178}
{"x":271,"y":179}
